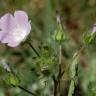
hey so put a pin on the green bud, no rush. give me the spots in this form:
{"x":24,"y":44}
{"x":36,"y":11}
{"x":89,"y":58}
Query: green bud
{"x":89,"y":38}
{"x":59,"y":36}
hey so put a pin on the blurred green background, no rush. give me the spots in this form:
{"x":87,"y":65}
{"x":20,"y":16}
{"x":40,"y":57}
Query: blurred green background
{"x":77,"y":17}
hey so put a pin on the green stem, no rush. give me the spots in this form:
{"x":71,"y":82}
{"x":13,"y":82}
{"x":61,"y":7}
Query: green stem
{"x":55,"y":86}
{"x":33,"y":94}
{"x":33,"y":49}
{"x":60,"y":72}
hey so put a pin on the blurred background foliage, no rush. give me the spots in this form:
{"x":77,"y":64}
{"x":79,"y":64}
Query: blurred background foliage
{"x":78,"y":17}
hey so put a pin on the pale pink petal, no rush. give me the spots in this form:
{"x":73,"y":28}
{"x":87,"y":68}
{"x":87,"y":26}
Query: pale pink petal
{"x":1,"y":35}
{"x":13,"y":44}
{"x":7,"y":23}
{"x":21,"y":18}
{"x":28,"y":27}
{"x":10,"y":40}
{"x":94,"y":29}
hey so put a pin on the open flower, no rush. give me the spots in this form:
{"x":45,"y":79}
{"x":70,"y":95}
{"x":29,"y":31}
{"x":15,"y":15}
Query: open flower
{"x":14,"y":29}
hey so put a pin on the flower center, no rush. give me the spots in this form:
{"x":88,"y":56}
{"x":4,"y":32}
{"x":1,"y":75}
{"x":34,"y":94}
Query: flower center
{"x":19,"y":34}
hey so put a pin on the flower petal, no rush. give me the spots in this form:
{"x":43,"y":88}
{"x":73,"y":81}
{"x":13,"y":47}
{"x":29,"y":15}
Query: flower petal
{"x":94,"y":29}
{"x":21,"y":18}
{"x":28,"y":27}
{"x":13,"y":44}
{"x":7,"y":23}
{"x":10,"y":41}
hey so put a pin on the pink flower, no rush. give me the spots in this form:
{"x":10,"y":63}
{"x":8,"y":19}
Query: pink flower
{"x":14,"y":29}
